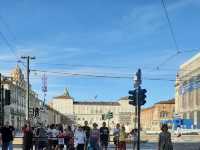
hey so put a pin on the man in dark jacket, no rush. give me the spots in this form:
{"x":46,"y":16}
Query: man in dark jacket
{"x":7,"y":133}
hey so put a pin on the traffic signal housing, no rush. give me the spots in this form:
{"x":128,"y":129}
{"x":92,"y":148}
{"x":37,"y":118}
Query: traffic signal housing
{"x":37,"y":112}
{"x":141,"y":97}
{"x":103,"y":116}
{"x":132,"y":97}
{"x":7,"y":97}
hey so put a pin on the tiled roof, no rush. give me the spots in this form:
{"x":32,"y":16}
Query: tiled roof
{"x":171,"y":101}
{"x":96,"y":103}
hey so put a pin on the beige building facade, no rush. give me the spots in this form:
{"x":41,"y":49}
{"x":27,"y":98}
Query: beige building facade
{"x":187,"y":88}
{"x":14,"y":113}
{"x":152,"y":117}
{"x":91,"y":111}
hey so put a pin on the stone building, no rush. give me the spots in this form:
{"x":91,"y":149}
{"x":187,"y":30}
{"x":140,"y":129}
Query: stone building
{"x":15,"y":111}
{"x":16,"y":84}
{"x":188,"y":90}
{"x":152,"y":117}
{"x":92,"y":111}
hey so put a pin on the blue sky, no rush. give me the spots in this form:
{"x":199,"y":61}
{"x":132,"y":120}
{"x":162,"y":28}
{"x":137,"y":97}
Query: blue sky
{"x":103,"y":37}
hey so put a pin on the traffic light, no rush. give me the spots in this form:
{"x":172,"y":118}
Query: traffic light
{"x":110,"y":115}
{"x":103,"y":116}
{"x":142,"y":96}
{"x":132,"y":97}
{"x":37,"y":112}
{"x":7,"y":97}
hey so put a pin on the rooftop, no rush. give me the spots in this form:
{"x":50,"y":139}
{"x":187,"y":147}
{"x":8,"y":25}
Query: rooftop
{"x":171,"y":101}
{"x":96,"y":103}
{"x":124,"y":98}
{"x":195,"y":57}
{"x":64,"y":96}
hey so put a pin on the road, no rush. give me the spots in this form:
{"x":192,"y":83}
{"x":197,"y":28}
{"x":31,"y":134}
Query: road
{"x":153,"y":146}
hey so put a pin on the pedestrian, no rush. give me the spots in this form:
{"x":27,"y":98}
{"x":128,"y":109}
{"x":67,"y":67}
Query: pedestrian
{"x":50,"y":135}
{"x":69,"y":138}
{"x":7,"y":134}
{"x":134,"y":137}
{"x":165,"y":142}
{"x":122,"y":139}
{"x":41,"y":133}
{"x":178,"y":131}
{"x":28,"y":137}
{"x":87,"y":129}
{"x":116,"y":132}
{"x":104,"y":136}
{"x":80,"y":138}
{"x":61,"y":139}
{"x":94,"y":138}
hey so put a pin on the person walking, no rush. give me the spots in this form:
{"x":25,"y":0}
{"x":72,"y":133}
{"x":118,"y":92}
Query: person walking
{"x":116,"y":132}
{"x":41,"y":133}
{"x":69,"y":138}
{"x":164,"y":142}
{"x":28,"y":137}
{"x":122,"y":139}
{"x":80,"y":138}
{"x":87,"y":129}
{"x":94,"y":138}
{"x":7,"y":133}
{"x":104,"y":136}
{"x":134,"y":138}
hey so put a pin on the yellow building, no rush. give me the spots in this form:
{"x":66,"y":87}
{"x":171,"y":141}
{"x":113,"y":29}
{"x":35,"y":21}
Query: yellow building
{"x":92,"y":111}
{"x":188,"y":90}
{"x":152,"y":117}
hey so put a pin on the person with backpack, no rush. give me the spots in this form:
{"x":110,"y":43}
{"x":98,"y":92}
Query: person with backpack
{"x":94,"y":138}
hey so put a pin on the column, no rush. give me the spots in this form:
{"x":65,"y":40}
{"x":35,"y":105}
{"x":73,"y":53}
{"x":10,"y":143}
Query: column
{"x":195,"y":119}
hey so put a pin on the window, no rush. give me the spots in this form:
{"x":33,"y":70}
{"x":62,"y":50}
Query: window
{"x":163,"y":114}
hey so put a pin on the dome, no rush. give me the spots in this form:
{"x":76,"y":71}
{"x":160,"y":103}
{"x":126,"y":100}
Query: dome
{"x":17,"y":74}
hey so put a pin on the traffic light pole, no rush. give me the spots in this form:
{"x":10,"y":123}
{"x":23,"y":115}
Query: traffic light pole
{"x":137,"y":86}
{"x":138,"y":119}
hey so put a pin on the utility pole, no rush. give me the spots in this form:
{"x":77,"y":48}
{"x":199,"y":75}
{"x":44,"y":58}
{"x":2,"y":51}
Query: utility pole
{"x":137,"y":84}
{"x":1,"y":103}
{"x":28,"y":85}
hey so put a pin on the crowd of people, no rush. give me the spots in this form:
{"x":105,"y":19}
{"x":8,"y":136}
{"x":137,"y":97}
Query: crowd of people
{"x":56,"y":137}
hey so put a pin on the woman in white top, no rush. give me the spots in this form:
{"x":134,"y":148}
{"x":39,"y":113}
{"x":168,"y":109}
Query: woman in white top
{"x":80,"y":138}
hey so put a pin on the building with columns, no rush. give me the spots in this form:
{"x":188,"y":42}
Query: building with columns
{"x":93,"y":110}
{"x":187,"y":89}
{"x":16,"y":84}
{"x":14,"y":112}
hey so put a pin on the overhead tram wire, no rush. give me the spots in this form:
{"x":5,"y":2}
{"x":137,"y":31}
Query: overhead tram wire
{"x":98,"y":76}
{"x":7,"y":27}
{"x":172,"y":35}
{"x":8,"y":44}
{"x":11,"y":48}
{"x":170,"y":25}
